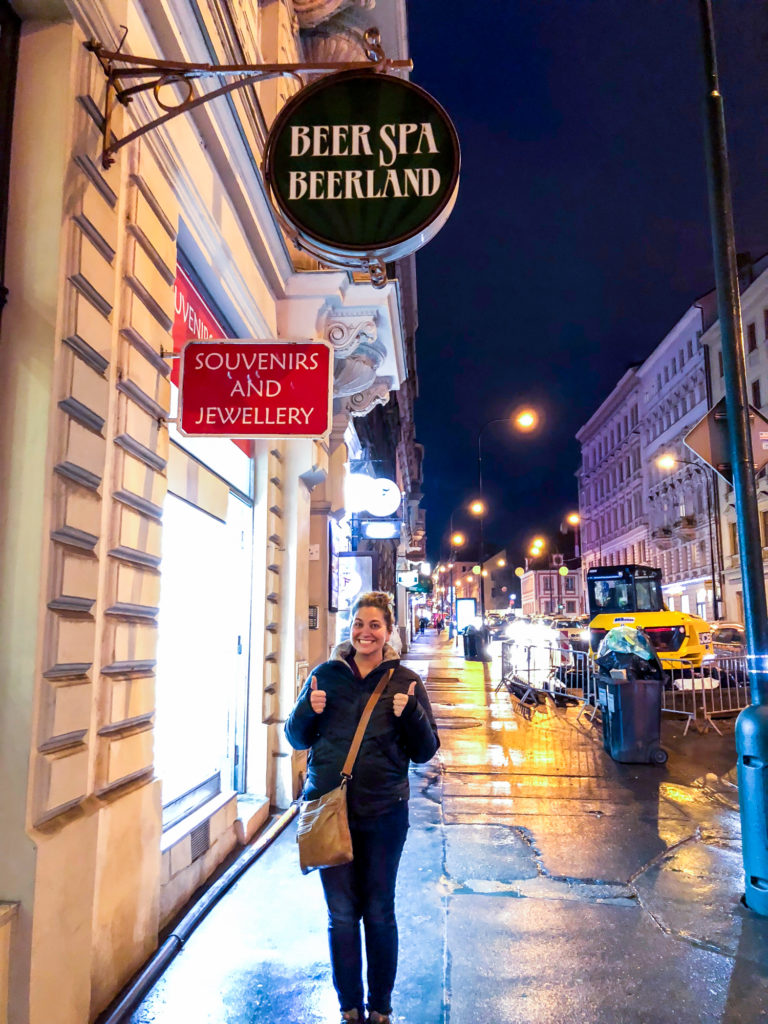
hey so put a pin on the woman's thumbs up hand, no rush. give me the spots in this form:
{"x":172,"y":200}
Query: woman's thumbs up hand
{"x":401,"y":699}
{"x":316,"y":698}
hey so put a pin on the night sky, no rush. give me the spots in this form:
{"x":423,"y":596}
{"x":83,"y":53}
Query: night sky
{"x":581,"y":232}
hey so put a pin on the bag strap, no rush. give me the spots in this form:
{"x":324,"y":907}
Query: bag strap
{"x":362,"y":725}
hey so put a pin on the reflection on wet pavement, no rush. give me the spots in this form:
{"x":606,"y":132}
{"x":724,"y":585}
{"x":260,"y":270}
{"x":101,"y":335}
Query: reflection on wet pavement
{"x":542,"y":883}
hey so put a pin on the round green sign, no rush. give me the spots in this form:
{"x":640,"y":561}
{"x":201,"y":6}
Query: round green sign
{"x":363,"y":164}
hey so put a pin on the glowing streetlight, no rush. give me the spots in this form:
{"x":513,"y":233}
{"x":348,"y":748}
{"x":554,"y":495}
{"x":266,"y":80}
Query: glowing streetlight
{"x":457,"y":539}
{"x":538,"y":542}
{"x":573,"y":519}
{"x":526,"y":420}
{"x":501,"y":562}
{"x":477,"y":508}
{"x":667,"y":461}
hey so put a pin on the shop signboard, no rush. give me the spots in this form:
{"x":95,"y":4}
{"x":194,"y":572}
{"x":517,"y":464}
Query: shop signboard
{"x":363,"y":166}
{"x":256,"y":388}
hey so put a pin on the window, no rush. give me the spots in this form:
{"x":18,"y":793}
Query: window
{"x":751,"y":337}
{"x":765,"y":323}
{"x":690,"y":348}
{"x":547,"y":583}
{"x":200,"y":684}
{"x":764,"y":525}
{"x":756,"y":393}
{"x":720,"y":362}
{"x":570,"y":585}
{"x":570,"y":607}
{"x":734,"y":538}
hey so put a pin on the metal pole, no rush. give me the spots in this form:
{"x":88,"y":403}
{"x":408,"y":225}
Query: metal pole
{"x":712,"y":552}
{"x":752,"y":724}
{"x":482,"y":517}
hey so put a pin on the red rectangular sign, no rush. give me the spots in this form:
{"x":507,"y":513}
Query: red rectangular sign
{"x":256,"y":389}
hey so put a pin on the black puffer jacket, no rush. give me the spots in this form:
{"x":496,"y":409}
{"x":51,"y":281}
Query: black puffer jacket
{"x":380,"y":775}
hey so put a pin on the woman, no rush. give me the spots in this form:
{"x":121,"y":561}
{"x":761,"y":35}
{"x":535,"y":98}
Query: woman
{"x":401,"y":729}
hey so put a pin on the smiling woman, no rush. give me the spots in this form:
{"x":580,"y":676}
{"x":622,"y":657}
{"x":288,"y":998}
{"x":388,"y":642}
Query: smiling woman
{"x":401,"y":729}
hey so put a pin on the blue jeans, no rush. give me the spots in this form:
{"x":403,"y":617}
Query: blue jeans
{"x":365,"y":889}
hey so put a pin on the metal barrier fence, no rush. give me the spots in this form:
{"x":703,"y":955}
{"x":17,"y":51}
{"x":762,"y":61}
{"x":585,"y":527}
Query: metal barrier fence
{"x":534,"y":672}
{"x":717,"y":689}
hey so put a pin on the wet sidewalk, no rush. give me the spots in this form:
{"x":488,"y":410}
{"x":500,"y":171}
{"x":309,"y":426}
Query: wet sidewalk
{"x":542,"y":883}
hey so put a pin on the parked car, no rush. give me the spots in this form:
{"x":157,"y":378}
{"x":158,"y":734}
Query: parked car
{"x":575,"y":629}
{"x":729,"y":639}
{"x":729,"y":645}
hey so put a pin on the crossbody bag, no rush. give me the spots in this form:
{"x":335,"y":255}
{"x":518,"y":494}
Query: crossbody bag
{"x":323,"y":831}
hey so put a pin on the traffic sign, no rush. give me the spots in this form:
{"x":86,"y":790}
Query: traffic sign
{"x":709,"y":440}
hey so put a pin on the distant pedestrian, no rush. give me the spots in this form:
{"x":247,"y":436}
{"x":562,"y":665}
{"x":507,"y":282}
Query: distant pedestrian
{"x":401,"y":729}
{"x":422,"y":625}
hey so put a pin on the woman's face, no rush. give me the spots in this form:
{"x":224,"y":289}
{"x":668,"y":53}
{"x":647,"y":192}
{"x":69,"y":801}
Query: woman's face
{"x":369,"y":632}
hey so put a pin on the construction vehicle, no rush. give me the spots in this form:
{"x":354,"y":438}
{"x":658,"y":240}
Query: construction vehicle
{"x":631,"y":595}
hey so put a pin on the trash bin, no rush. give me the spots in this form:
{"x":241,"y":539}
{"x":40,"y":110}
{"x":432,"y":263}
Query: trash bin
{"x":476,"y":644}
{"x":470,"y":644}
{"x":629,"y":691}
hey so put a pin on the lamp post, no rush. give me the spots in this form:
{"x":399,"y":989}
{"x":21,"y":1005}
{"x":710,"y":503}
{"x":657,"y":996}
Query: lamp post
{"x":525,"y":420}
{"x":669,"y":461}
{"x":457,"y":539}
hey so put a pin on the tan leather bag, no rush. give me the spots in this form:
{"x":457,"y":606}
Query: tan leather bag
{"x":323,"y":831}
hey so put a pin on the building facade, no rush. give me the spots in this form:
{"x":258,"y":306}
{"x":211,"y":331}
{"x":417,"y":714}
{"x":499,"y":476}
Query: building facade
{"x":633,"y":509}
{"x":613,"y":527}
{"x":553,"y":589}
{"x":162,"y":597}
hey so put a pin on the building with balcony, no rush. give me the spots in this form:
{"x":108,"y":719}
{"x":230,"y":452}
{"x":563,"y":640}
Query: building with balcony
{"x":632,"y":510}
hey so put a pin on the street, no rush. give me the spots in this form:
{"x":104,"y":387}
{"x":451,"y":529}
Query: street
{"x":542,"y":883}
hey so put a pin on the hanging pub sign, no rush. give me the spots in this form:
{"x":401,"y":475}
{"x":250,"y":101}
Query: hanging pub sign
{"x":276,"y":389}
{"x":363,"y":166}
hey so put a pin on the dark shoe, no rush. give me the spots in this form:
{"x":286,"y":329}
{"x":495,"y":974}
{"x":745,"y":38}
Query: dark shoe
{"x":353,"y":1015}
{"x":379,"y":1018}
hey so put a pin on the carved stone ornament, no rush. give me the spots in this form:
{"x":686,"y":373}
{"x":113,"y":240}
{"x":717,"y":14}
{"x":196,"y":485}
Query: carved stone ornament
{"x":347,"y":329}
{"x":341,"y":38}
{"x":357,"y":371}
{"x":364,"y":401}
{"x":312,"y":13}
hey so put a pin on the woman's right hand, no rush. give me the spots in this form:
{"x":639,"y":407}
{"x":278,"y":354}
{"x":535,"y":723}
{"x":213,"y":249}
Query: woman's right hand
{"x":316,"y":698}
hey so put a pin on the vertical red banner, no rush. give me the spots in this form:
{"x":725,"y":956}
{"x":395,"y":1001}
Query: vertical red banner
{"x":194,"y":320}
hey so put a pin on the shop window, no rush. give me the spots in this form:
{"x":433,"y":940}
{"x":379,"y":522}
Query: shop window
{"x":202,"y":656}
{"x":756,"y":394}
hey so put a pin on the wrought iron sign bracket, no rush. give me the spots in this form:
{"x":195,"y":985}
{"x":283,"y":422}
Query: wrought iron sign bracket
{"x":122,"y":69}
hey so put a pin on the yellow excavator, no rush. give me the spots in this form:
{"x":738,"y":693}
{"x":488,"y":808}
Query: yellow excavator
{"x":631,"y":595}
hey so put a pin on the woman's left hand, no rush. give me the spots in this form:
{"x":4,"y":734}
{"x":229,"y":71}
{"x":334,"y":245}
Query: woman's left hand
{"x":401,"y":699}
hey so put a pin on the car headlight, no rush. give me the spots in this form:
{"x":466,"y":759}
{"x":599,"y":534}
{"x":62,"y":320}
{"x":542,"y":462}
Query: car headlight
{"x":584,"y":635}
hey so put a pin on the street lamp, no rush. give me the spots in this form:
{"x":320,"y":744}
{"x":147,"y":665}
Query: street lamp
{"x":457,"y":540}
{"x":668,"y":462}
{"x":525,"y":420}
